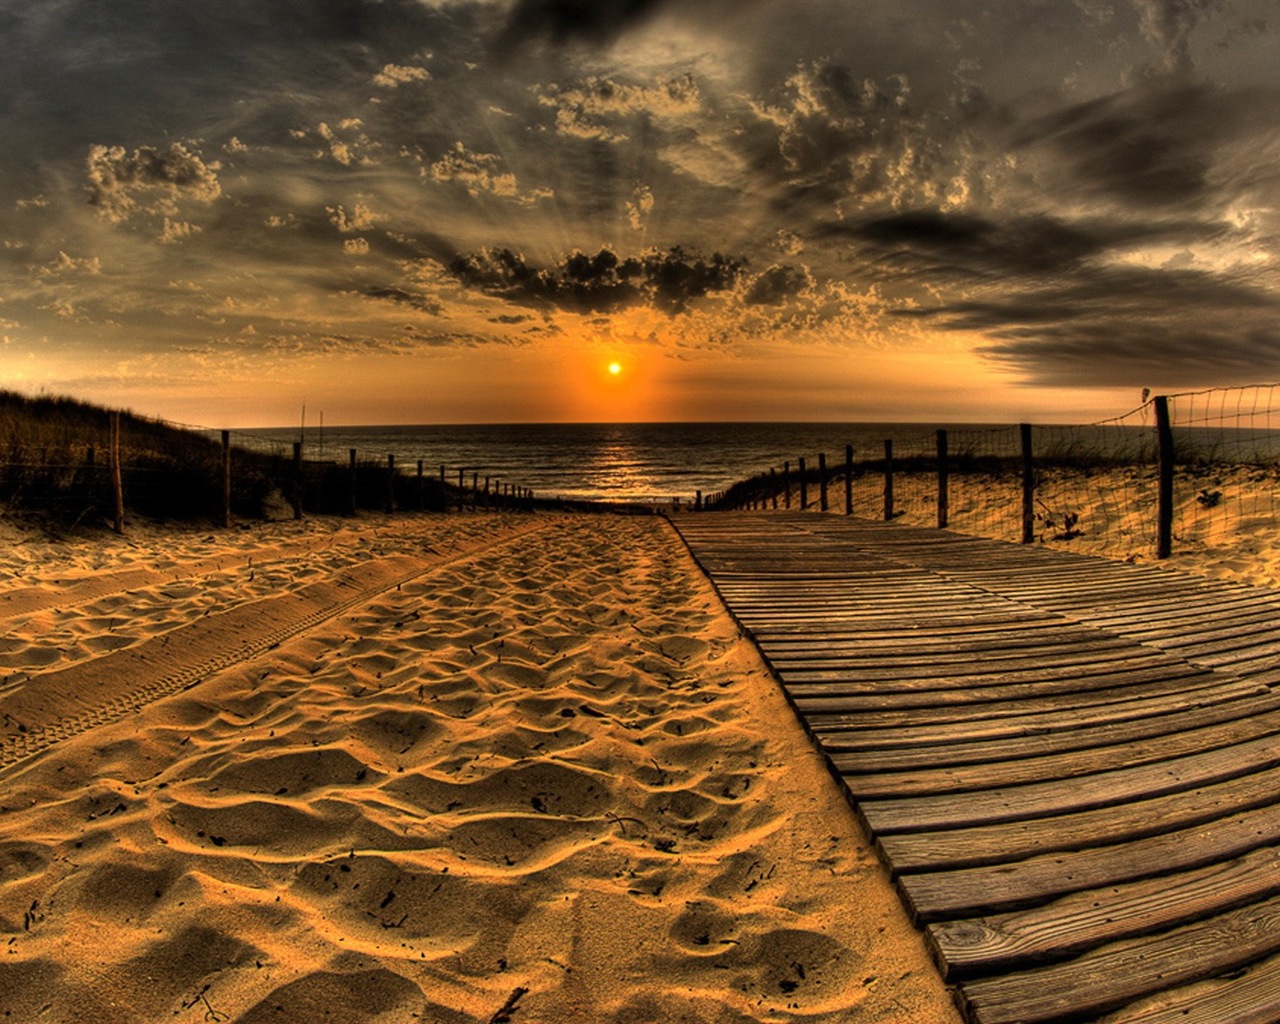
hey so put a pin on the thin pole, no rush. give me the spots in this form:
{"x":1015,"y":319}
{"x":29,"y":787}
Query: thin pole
{"x":1028,"y":486}
{"x":226,"y":479}
{"x":848,"y":479}
{"x":786,"y":483}
{"x":943,"y":496}
{"x":351,"y":479}
{"x":888,"y":479}
{"x":822,"y":481}
{"x":804,"y":487}
{"x":297,"y":479}
{"x":1164,"y":498}
{"x":117,"y":484}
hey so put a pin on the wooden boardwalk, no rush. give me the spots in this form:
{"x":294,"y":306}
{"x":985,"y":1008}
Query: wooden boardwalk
{"x":1070,"y":765}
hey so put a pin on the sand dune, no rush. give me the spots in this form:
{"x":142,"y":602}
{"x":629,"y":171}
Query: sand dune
{"x":425,"y":768}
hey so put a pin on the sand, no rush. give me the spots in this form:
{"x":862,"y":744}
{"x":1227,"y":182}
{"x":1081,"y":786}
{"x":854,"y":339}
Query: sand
{"x":440,"y":768}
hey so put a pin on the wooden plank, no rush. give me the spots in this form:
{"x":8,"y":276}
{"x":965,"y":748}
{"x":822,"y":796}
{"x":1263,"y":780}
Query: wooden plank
{"x":1058,"y":796}
{"x":1085,"y":920}
{"x":1137,"y":819}
{"x":869,"y":731}
{"x":1239,"y":997}
{"x":982,"y":701}
{"x":1034,"y":880}
{"x":1111,"y":977}
{"x":1022,"y":768}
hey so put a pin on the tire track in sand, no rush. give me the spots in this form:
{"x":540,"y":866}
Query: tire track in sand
{"x":55,"y":706}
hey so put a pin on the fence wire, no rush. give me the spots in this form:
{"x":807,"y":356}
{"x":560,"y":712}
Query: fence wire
{"x":1095,"y":487}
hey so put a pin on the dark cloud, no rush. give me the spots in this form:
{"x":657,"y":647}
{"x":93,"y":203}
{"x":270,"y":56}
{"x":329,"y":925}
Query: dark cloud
{"x":568,"y":21}
{"x":597,"y":22}
{"x":937,"y":248}
{"x":1126,"y":326}
{"x":669,"y":279}
{"x":406,"y":298}
{"x":776,"y":285}
{"x":837,"y":138}
{"x":1150,"y":147}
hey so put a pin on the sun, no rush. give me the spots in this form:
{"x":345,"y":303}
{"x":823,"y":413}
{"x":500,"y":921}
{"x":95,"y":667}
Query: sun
{"x":615,"y":369}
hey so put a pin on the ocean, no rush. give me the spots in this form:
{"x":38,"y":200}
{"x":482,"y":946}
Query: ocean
{"x":658,"y":462}
{"x":631,"y":462}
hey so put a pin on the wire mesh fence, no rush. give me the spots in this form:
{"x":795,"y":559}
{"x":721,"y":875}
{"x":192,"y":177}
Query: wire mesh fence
{"x":59,"y":457}
{"x":1092,"y":487}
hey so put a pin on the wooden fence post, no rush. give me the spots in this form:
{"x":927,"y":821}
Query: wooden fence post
{"x":804,"y":485}
{"x":117,"y":483}
{"x":773,"y":486}
{"x":697,"y":502}
{"x":786,"y":484}
{"x":888,"y":479}
{"x":1028,"y":486}
{"x":943,"y":497}
{"x":391,"y":482}
{"x":848,"y":479}
{"x":822,"y":481}
{"x":353,"y":496}
{"x":296,"y":497}
{"x":226,"y":479}
{"x":1164,"y":493}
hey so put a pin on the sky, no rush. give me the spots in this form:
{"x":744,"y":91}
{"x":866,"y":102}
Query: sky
{"x":449,"y":211}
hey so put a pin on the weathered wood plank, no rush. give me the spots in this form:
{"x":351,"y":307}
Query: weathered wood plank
{"x":887,"y":730}
{"x":1058,"y":796}
{"x":1136,"y":819}
{"x":1124,"y":971}
{"x":1085,"y":920}
{"x":1239,"y":997}
{"x":953,"y":770}
{"x":1034,"y":880}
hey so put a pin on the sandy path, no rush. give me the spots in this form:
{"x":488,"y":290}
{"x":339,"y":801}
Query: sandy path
{"x":549,"y":774}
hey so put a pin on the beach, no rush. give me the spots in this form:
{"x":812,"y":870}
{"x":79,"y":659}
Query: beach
{"x":453,"y":768}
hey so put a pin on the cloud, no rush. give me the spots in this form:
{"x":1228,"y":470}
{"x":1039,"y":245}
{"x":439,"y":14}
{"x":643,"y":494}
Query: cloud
{"x":854,"y":143}
{"x":639,"y":207}
{"x":586,"y":109}
{"x":572,"y":21}
{"x":356,"y":246}
{"x":407,"y":298}
{"x":945,"y":247}
{"x":65,"y":264}
{"x":1168,"y":24}
{"x":393,"y":76}
{"x":360,"y":219}
{"x":1151,"y":146}
{"x":148,"y":180}
{"x":777,"y":285}
{"x":482,"y":173}
{"x":177,"y":231}
{"x":670,"y":280}
{"x":1125,"y":326}
{"x":346,"y":143}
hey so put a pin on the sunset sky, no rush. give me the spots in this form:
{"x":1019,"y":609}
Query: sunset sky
{"x":418,"y":211}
